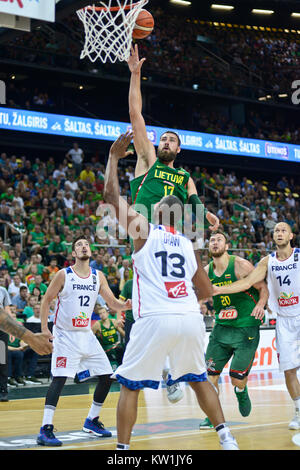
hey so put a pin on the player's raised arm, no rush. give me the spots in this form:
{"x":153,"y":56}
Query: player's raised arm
{"x":257,"y":275}
{"x":137,"y":226}
{"x":144,"y":148}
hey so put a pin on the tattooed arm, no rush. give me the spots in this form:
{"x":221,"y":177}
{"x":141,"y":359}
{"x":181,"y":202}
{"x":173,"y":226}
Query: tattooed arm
{"x":39,"y":342}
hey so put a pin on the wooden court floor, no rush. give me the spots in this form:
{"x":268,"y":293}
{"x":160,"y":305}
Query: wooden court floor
{"x":160,"y":425}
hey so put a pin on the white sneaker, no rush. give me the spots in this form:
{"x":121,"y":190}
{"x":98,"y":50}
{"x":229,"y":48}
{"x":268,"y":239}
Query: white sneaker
{"x":295,"y":423}
{"x":229,"y":443}
{"x":174,"y":392}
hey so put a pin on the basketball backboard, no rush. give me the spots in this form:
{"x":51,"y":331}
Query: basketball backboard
{"x":17,"y":14}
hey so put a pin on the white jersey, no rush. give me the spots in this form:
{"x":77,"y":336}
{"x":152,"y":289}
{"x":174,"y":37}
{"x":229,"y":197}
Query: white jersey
{"x":75,"y":303}
{"x":163,"y":272}
{"x":284,"y":284}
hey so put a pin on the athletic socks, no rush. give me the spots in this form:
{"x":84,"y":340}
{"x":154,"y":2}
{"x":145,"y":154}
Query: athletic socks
{"x":48,"y":415}
{"x":95,"y":410}
{"x":239,"y":390}
{"x":122,"y":446}
{"x":223,"y":431}
{"x":297,"y":404}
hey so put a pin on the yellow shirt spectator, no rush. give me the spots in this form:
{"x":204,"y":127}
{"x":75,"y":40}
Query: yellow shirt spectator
{"x":87,"y":175}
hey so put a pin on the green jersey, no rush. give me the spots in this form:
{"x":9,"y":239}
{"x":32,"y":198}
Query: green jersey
{"x":126,"y":294}
{"x":159,"y":181}
{"x":233,"y":309}
{"x":108,"y":336}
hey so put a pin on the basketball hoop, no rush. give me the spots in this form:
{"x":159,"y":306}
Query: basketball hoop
{"x":108,"y":29}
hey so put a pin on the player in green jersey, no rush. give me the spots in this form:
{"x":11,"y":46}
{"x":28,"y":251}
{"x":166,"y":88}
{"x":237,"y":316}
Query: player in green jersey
{"x":155,"y":175}
{"x":237,"y":321}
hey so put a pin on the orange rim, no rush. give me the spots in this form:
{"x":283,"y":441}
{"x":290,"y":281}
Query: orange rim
{"x":94,"y":8}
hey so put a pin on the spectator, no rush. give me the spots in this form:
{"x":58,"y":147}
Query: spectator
{"x":76,"y":156}
{"x":57,"y":249}
{"x":14,"y":286}
{"x":87,"y":176}
{"x":20,"y":300}
{"x":38,"y":282}
{"x":29,"y":309}
{"x":97,"y":263}
{"x":112,"y":275}
{"x":50,"y":271}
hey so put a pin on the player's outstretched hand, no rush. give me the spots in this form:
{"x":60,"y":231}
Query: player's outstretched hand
{"x":118,"y":149}
{"x":134,"y":62}
{"x":128,"y":304}
{"x":213,"y":221}
{"x":216,"y":291}
{"x":258,"y":312}
{"x":40,"y":343}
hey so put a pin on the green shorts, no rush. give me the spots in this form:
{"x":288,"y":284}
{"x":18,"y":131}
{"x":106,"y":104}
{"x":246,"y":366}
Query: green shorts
{"x":226,"y":342}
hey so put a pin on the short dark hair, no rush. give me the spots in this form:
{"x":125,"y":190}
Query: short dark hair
{"x":171,"y":202}
{"x":80,"y":237}
{"x":219,"y":231}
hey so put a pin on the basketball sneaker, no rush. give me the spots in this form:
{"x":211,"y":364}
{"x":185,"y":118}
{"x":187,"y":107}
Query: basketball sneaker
{"x":20,"y":381}
{"x":174,"y":392}
{"x":244,"y":401}
{"x":229,"y":443}
{"x":96,"y":427}
{"x":295,"y":423}
{"x":12,"y":382}
{"x":47,"y":438}
{"x":205,"y":424}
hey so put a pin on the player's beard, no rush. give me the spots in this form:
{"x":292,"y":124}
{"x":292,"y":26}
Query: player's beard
{"x":166,"y":156}
{"x":84,"y":257}
{"x":217,"y":254}
{"x":283,"y":244}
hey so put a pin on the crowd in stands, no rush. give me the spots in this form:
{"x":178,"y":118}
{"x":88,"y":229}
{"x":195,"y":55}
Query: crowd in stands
{"x":252,"y":63}
{"x":249,"y":57}
{"x":44,"y":205}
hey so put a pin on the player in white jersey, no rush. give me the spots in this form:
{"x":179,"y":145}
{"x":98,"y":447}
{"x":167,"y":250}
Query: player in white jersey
{"x":168,"y":282}
{"x":282,"y":270}
{"x":75,"y":347}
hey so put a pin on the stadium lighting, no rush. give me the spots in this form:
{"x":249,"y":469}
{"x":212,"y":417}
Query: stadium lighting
{"x":262,"y":12}
{"x":283,"y":95}
{"x":295,"y":15}
{"x":216,"y":6}
{"x":181,"y":2}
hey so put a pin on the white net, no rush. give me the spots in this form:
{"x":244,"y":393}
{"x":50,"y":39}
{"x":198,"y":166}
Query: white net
{"x":108,"y":29}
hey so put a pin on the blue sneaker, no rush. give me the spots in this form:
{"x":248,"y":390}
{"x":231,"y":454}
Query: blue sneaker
{"x":47,"y":438}
{"x":96,"y":427}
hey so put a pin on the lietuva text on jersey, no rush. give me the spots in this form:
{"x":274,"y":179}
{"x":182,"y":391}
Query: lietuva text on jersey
{"x":164,"y":175}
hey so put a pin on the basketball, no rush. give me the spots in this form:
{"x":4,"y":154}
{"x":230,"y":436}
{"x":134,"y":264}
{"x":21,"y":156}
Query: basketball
{"x":144,"y":25}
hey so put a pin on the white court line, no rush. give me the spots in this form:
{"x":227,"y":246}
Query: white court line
{"x":166,"y":436}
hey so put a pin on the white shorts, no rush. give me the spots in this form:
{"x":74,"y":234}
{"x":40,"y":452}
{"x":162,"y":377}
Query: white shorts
{"x":288,"y":342}
{"x":181,"y":338}
{"x":78,"y":352}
